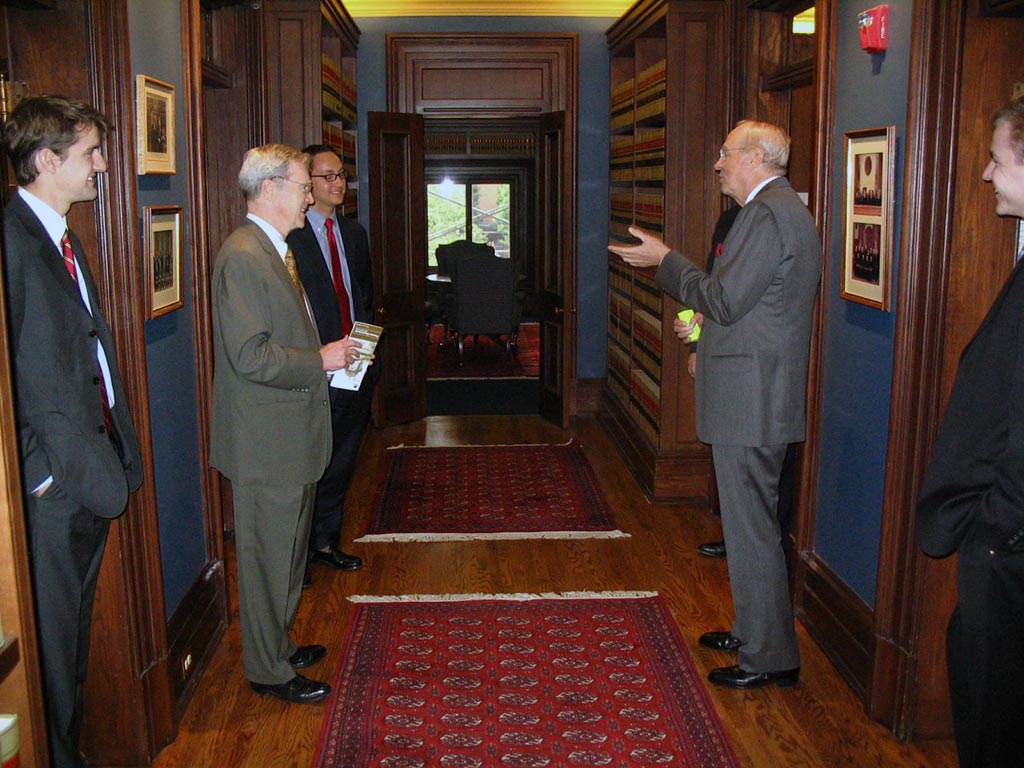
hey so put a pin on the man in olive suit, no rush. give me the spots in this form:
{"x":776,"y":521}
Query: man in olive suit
{"x":271,"y":430}
{"x":79,"y":453}
{"x":751,"y":384}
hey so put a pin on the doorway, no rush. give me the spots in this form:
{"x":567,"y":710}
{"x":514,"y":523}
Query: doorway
{"x":483,"y":206}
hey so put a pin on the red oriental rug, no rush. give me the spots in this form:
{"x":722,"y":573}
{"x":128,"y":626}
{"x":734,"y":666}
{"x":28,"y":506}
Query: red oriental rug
{"x":484,"y":358}
{"x":447,"y":493}
{"x":521,"y":681}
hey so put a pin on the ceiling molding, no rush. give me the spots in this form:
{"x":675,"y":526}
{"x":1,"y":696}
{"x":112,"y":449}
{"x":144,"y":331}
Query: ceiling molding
{"x":595,"y":8}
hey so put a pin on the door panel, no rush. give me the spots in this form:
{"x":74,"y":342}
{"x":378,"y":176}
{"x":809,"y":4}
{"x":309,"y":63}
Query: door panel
{"x":557,"y":289}
{"x":398,"y":243}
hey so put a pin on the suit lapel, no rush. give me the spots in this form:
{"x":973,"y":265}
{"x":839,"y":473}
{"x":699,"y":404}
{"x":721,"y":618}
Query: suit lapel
{"x":281,"y":272}
{"x":48,"y":253}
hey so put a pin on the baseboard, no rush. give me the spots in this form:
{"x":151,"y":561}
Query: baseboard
{"x":839,"y":620}
{"x":663,"y":475}
{"x":588,"y":396}
{"x":194,"y":630}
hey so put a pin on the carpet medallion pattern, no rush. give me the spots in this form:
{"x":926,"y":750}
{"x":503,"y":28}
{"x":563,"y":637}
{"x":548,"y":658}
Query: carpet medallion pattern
{"x":480,"y":492}
{"x":523,"y":681}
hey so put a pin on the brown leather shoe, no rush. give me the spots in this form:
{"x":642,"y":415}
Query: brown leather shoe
{"x":298,"y":690}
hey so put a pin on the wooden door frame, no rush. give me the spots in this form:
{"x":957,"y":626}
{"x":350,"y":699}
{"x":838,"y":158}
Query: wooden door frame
{"x":553,"y":56}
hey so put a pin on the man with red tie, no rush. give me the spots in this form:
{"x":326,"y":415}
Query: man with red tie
{"x":332,"y":253}
{"x":79,"y":452}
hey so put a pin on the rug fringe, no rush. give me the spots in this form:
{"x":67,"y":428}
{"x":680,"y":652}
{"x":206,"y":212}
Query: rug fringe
{"x":485,"y":445}
{"x":512,"y":596}
{"x":498,"y":535}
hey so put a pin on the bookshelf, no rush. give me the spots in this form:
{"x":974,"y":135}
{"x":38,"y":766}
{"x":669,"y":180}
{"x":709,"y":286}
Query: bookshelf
{"x":339,"y":42}
{"x":667,"y":118}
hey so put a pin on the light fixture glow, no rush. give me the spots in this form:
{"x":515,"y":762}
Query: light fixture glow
{"x":803,"y":22}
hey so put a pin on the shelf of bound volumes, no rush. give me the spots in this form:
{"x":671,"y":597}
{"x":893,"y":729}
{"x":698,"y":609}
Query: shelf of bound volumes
{"x":666,"y":103}
{"x":340,"y":118}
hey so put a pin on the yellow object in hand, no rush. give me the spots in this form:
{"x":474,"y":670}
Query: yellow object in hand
{"x":686,"y":316}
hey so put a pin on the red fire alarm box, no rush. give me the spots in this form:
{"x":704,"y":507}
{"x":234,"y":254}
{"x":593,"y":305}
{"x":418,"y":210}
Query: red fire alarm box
{"x":874,"y":28}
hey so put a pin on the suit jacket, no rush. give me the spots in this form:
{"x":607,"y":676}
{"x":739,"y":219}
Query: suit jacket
{"x":758,"y":301}
{"x":59,"y":405}
{"x":974,"y":487}
{"x":316,"y":279}
{"x":271,"y":415}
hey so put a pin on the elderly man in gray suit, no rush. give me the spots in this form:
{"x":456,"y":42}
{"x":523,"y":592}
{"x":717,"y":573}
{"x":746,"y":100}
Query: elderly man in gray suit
{"x":751,"y":384}
{"x":271,"y":430}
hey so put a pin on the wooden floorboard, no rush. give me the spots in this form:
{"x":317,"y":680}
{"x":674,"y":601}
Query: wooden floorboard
{"x":818,"y":723}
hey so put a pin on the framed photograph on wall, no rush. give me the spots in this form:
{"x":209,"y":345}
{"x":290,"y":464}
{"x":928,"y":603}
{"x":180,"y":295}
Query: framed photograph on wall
{"x":868,"y":216}
{"x":161,"y":225}
{"x":154,"y":122}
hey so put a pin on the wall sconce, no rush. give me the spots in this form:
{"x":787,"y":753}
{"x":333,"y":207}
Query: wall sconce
{"x":874,"y":28}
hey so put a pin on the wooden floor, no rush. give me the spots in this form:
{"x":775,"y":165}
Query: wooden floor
{"x":818,"y":723}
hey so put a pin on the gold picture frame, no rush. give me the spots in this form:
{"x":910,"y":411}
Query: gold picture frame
{"x":154,"y":122}
{"x":162,"y":259}
{"x":868,"y":216}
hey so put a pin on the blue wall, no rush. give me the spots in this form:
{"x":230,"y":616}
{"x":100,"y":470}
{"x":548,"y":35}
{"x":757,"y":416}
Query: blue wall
{"x":155,"y":32}
{"x":871,"y":92}
{"x":592,"y":150}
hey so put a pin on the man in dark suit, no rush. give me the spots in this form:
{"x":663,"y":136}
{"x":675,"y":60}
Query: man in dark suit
{"x":79,"y":453}
{"x":271,"y":433}
{"x":333,"y":256}
{"x":972,"y":501}
{"x":751,"y":384}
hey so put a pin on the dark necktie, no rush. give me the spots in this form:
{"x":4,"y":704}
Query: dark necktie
{"x":69,"y":262}
{"x":339,"y":280}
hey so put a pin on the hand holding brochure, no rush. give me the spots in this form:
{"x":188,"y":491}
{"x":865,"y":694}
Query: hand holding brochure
{"x":351,"y":376}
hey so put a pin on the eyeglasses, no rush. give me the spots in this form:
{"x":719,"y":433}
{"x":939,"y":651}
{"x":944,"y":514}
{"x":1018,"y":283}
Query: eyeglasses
{"x":724,"y":151}
{"x":306,"y":188}
{"x":331,"y":177}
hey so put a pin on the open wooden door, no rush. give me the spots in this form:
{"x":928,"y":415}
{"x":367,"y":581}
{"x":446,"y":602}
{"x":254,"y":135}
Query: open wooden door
{"x":557,"y":265}
{"x":398,"y":246}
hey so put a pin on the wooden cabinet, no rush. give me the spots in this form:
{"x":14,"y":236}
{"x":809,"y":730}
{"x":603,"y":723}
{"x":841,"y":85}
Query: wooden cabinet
{"x":669,"y":66}
{"x":309,"y":79}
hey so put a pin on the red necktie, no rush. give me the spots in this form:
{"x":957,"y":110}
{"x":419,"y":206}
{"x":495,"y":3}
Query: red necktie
{"x":339,"y":280}
{"x":69,"y":262}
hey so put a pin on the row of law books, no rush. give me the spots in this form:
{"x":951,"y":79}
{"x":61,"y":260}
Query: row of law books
{"x":344,"y":143}
{"x":646,"y":210}
{"x":339,"y":93}
{"x":638,"y":158}
{"x":642,"y":98}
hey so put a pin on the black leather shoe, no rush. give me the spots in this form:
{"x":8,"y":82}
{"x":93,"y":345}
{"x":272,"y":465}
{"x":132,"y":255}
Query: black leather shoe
{"x":335,"y":558}
{"x":737,"y":677}
{"x":298,"y":690}
{"x":307,"y":579}
{"x":307,"y":656}
{"x":720,"y":641}
{"x":712,"y":549}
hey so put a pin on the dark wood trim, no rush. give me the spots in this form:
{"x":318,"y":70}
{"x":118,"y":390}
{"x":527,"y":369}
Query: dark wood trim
{"x":193,"y":77}
{"x":901,"y":611}
{"x":790,"y":76}
{"x":194,"y":630}
{"x":662,"y":475}
{"x":132,"y":578}
{"x":641,"y":19}
{"x":338,"y":17}
{"x":839,"y":620}
{"x":588,"y":396}
{"x":215,"y":76}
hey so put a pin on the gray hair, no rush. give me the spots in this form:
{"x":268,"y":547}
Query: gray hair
{"x":770,"y":139}
{"x":1011,"y":115}
{"x":270,"y":161}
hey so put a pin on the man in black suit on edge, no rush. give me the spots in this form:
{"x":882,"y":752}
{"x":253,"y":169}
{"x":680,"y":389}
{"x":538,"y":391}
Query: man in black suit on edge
{"x":333,"y":256}
{"x":972,"y":501}
{"x":79,"y":452}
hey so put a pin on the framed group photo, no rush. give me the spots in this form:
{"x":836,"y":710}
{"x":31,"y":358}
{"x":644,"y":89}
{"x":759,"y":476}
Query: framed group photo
{"x":868,"y":216}
{"x":154,"y":122}
{"x":161,"y":253}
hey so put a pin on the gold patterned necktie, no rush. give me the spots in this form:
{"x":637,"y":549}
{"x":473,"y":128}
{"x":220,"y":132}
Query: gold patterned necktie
{"x":293,"y":270}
